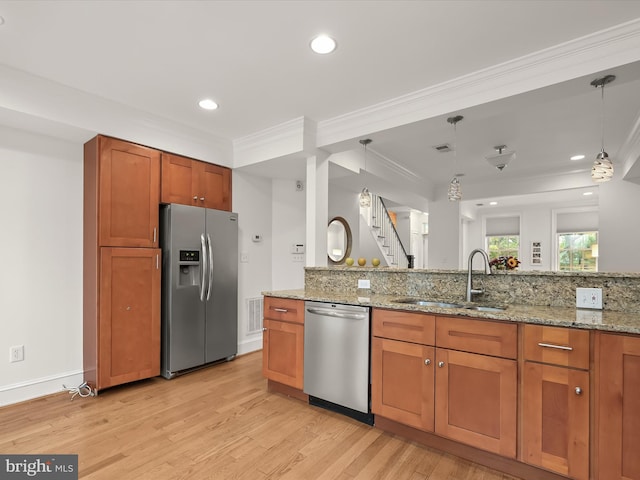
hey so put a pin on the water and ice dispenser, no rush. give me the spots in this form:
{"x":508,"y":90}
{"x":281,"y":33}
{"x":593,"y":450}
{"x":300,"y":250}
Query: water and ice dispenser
{"x":189,"y":263}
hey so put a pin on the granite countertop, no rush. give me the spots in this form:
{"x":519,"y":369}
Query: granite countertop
{"x":606,"y":320}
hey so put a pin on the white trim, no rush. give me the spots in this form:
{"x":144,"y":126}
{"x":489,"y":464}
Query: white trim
{"x":608,"y":48}
{"x":249,"y":346}
{"x":27,"y":390}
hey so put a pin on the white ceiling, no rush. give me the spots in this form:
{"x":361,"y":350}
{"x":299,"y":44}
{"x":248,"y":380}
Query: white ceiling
{"x":252,"y":57}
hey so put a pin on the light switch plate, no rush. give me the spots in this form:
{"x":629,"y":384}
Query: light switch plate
{"x":589,"y":298}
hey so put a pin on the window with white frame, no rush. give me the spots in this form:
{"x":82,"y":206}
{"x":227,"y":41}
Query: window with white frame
{"x":577,"y":241}
{"x":502,"y":236}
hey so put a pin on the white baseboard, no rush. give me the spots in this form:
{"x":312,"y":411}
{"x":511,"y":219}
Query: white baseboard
{"x":19,"y":392}
{"x":249,"y":346}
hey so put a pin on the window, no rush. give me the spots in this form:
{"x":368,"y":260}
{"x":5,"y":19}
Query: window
{"x":503,"y":236}
{"x":576,"y":251}
{"x":503,"y":246}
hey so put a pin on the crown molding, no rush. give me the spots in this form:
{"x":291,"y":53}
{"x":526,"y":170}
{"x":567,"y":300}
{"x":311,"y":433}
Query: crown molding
{"x":294,"y":136}
{"x":601,"y":50}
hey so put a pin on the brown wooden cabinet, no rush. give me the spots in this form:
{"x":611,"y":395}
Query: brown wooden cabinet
{"x":283,"y":341}
{"x":192,"y":182}
{"x":459,"y":391}
{"x":125,"y":191}
{"x":555,"y":399}
{"x":129,"y":330}
{"x":121,"y":305}
{"x":618,"y":404}
{"x":476,"y":394}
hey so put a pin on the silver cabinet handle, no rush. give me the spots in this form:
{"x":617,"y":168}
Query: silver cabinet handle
{"x":157,"y":262}
{"x":440,"y":364}
{"x":427,"y":361}
{"x":281,"y":310}
{"x":557,"y":347}
{"x":155,"y":234}
{"x":578,"y":391}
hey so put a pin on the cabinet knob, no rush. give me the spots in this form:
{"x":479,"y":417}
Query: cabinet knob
{"x":128,"y":308}
{"x":195,"y":197}
{"x":202,"y":199}
{"x":440,"y":364}
{"x":427,"y":361}
{"x":264,"y":329}
{"x":578,"y":391}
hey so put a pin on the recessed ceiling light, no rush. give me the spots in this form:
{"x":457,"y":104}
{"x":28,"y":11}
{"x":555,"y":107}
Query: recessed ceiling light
{"x":208,"y":104}
{"x":577,"y":157}
{"x":587,"y":193}
{"x":323,"y":44}
{"x":493,"y":203}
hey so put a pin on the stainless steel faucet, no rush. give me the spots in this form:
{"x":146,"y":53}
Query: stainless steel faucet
{"x":470,"y":290}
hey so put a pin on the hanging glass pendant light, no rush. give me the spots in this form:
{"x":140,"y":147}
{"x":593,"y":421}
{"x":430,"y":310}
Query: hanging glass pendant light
{"x":365,"y":196}
{"x":455,"y":189}
{"x":602,"y":170}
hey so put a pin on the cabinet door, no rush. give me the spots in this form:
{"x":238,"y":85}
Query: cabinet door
{"x":556,"y":419}
{"x":283,"y":352}
{"x":178,"y":180}
{"x":129,"y":327}
{"x":214,"y":186}
{"x":129,"y":194}
{"x":618,"y":397}
{"x":476,"y":400}
{"x":402,"y":382}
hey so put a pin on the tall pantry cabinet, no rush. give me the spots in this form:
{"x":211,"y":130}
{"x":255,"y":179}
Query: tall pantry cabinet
{"x":121,"y":307}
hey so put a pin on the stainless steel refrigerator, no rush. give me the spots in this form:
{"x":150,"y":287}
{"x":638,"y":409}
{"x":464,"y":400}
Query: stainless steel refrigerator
{"x":199,"y":287}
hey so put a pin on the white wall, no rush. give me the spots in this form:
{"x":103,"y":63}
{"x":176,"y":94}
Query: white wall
{"x":619,"y":227}
{"x":40,"y":263}
{"x":287,"y":227}
{"x":444,"y":235}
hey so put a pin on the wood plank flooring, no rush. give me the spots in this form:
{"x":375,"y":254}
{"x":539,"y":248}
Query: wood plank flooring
{"x":218,"y":423}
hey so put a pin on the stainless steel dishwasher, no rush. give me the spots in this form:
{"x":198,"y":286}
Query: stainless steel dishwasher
{"x":336,"y":358}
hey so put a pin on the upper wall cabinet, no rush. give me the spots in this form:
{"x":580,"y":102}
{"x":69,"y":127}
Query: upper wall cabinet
{"x":192,"y":182}
{"x":127,"y":177}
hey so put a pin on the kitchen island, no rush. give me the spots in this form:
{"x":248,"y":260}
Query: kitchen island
{"x":538,"y":389}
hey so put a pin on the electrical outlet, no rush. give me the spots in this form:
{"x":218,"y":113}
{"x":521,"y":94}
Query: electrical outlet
{"x":16,"y":354}
{"x":589,"y":298}
{"x":364,"y":283}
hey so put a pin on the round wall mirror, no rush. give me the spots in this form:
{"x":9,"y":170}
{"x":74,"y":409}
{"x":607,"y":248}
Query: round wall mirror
{"x":338,"y":240}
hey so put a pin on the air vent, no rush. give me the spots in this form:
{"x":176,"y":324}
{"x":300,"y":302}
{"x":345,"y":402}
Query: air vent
{"x":445,"y":147}
{"x":254,"y":315}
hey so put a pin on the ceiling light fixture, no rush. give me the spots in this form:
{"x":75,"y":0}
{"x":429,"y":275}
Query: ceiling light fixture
{"x":208,"y":104}
{"x":323,"y":44}
{"x":602,"y":170}
{"x":502,"y":158}
{"x":586,"y":194}
{"x":455,"y":189}
{"x":493,"y":203}
{"x":577,"y":157}
{"x":365,"y":196}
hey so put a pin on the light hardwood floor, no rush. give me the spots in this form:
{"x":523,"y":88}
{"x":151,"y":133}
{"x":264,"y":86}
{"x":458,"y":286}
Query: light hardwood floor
{"x":217,"y":423}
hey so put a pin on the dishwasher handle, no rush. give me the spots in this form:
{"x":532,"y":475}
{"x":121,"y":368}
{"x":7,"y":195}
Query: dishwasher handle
{"x":333,"y":313}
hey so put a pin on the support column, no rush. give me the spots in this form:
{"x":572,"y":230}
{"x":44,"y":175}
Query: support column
{"x":444,"y":235}
{"x":317,"y":209}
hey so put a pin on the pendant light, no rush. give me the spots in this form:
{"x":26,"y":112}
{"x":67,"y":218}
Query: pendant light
{"x":602,"y":170}
{"x":455,"y":189}
{"x":365,"y":196}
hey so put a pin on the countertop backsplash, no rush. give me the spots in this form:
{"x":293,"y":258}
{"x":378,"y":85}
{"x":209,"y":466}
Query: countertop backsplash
{"x":620,"y":291}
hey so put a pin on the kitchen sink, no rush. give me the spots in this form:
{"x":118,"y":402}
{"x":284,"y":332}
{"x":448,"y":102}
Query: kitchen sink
{"x":428,"y":303}
{"x":484,"y":308}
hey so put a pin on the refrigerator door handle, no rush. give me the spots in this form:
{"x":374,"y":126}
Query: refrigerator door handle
{"x":203,"y":277}
{"x":210,"y":286}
